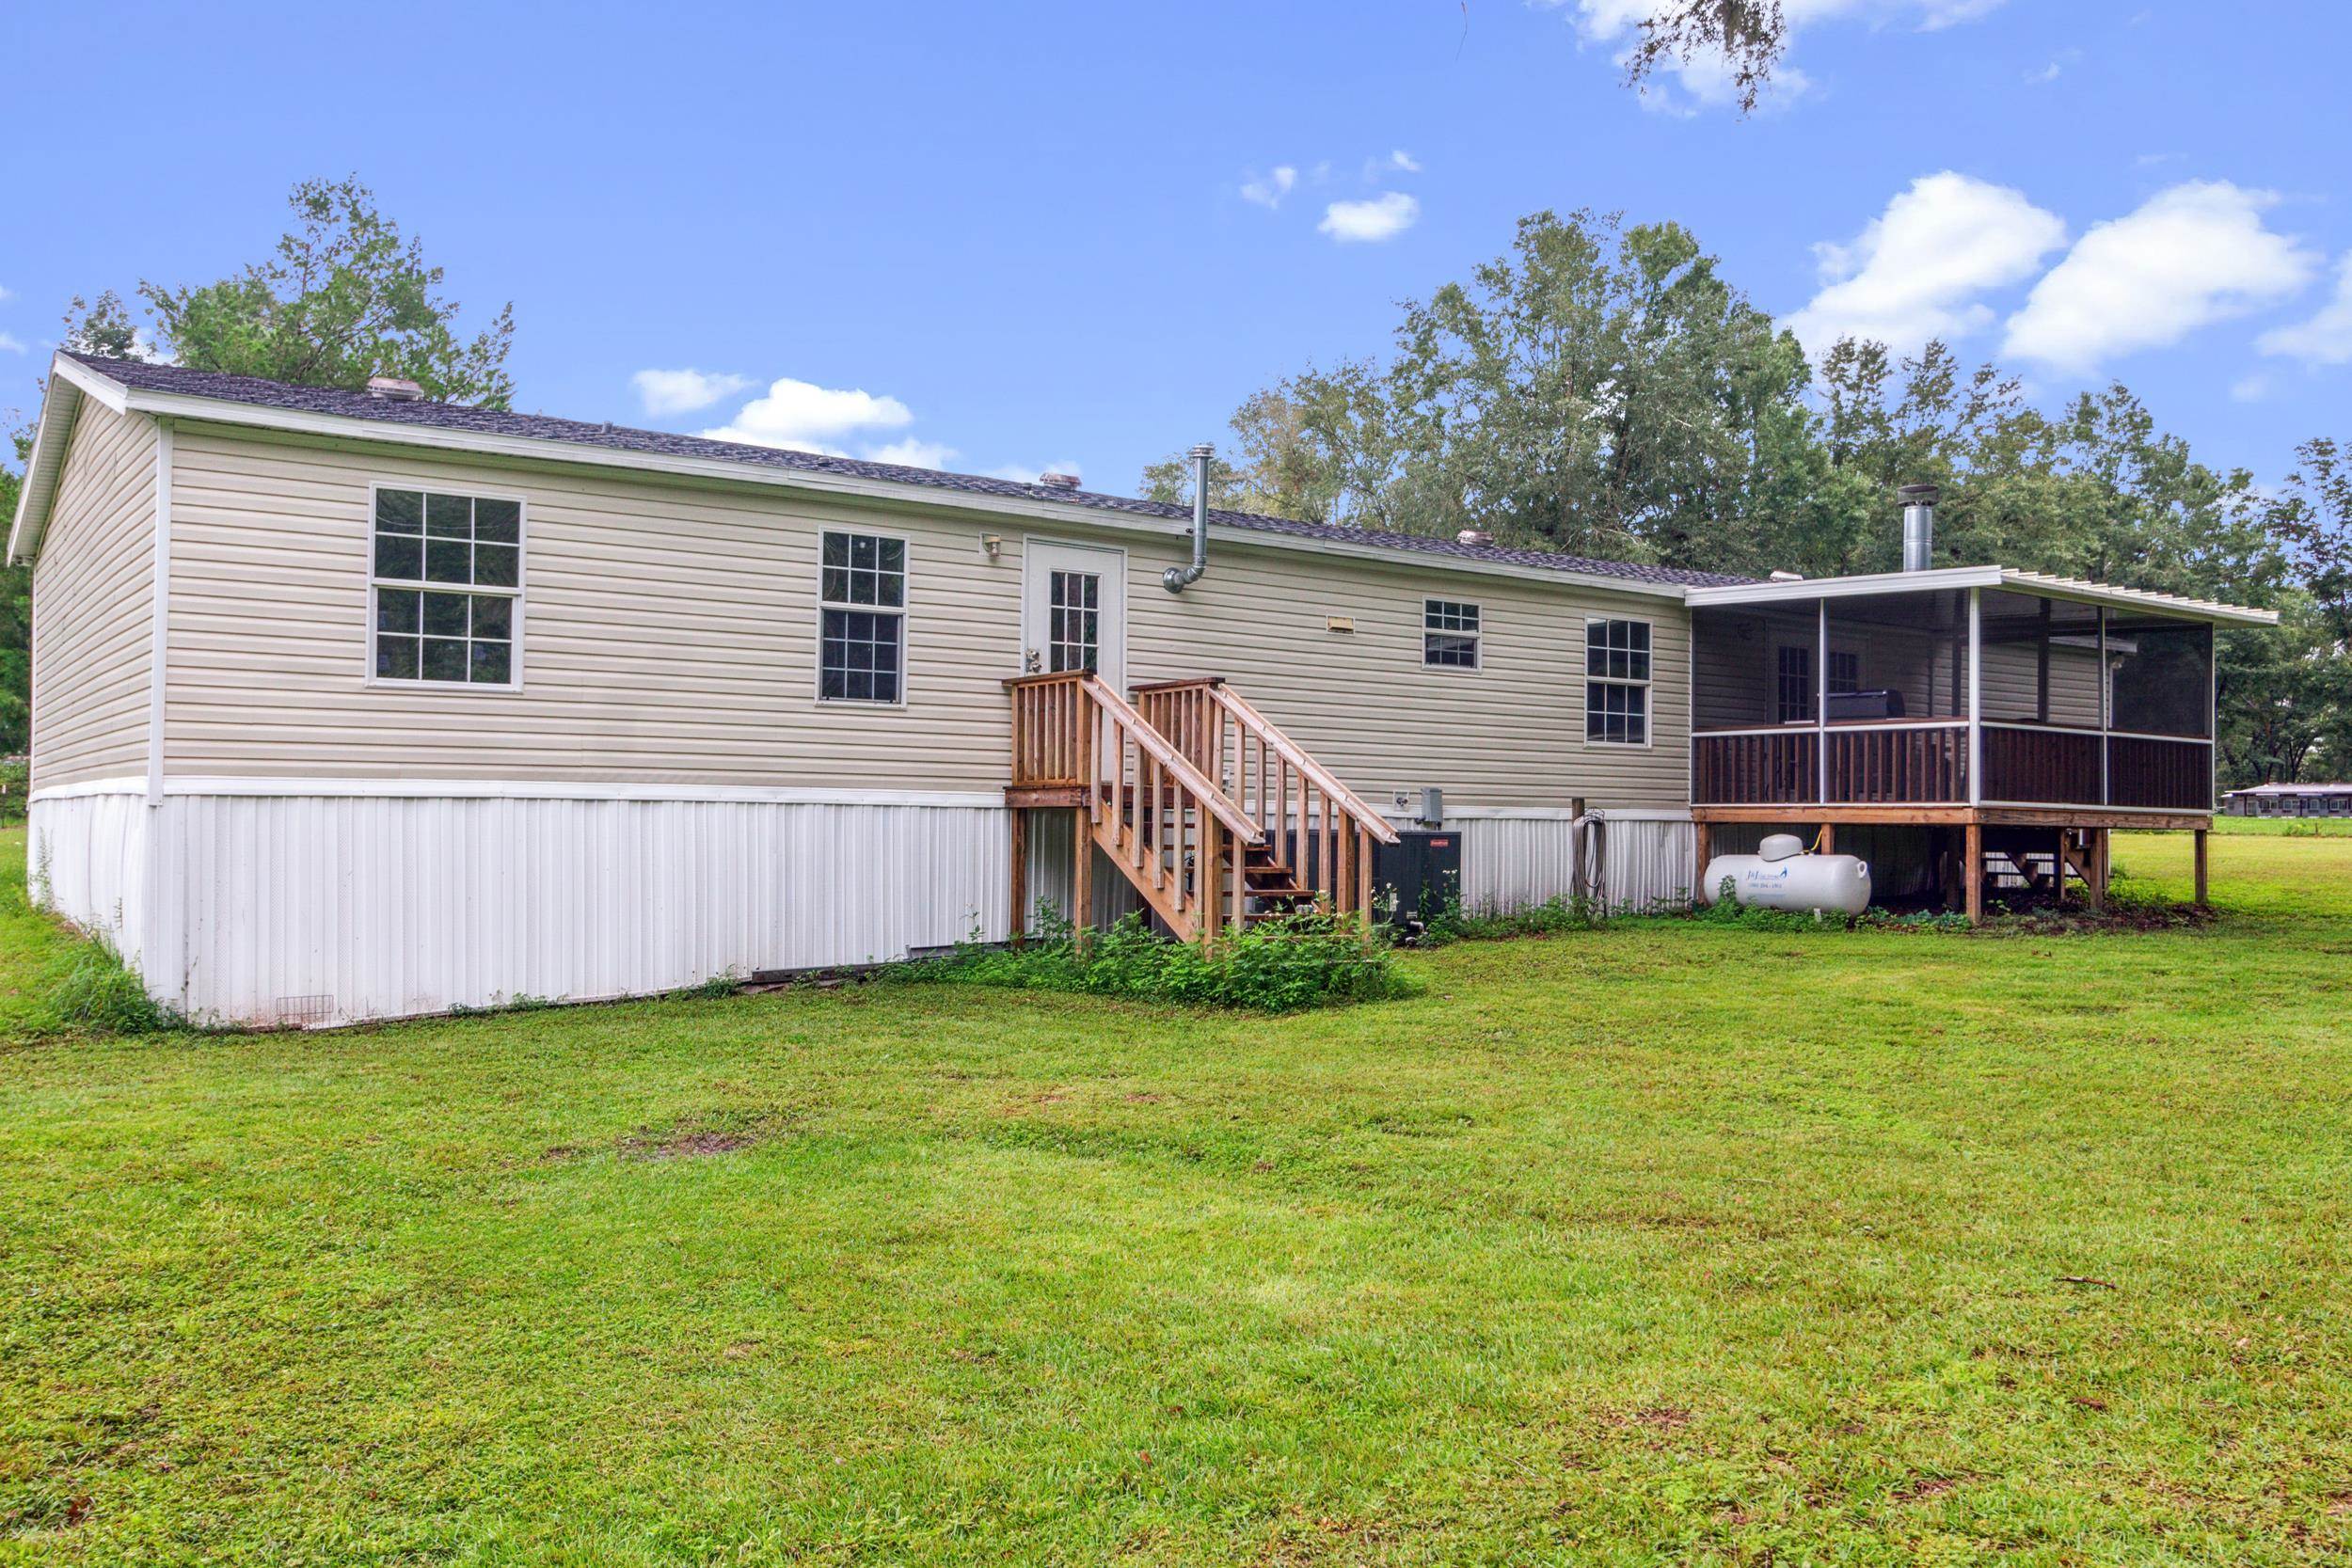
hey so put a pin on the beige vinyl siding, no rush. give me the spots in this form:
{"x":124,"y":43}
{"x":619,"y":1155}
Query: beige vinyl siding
{"x":2012,"y":683}
{"x":668,"y":635}
{"x":1508,"y":733}
{"x":93,"y":598}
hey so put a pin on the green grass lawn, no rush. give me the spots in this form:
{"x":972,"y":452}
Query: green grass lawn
{"x":1661,"y":1243}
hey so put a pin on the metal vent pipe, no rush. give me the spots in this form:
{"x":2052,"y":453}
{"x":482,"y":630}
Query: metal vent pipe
{"x":1918,"y":525}
{"x":1177,"y":578}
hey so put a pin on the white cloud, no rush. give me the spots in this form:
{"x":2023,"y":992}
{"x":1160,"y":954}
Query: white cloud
{"x":10,"y":345}
{"x":2327,"y":338}
{"x":1397,"y":162}
{"x":2057,"y":68}
{"x":1708,"y":80}
{"x":683,"y":391}
{"x":1268,"y":191}
{"x":1915,"y":273}
{"x":2252,"y":388}
{"x":912,"y":451}
{"x":5,"y":294}
{"x":1382,"y":217}
{"x":2189,"y":256}
{"x":803,"y":417}
{"x":1027,"y":474}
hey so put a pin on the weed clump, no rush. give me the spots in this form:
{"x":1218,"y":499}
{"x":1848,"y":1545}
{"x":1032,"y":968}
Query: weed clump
{"x":1281,"y":965}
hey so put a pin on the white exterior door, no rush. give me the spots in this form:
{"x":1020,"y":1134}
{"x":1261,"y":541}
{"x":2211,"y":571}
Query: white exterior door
{"x":1074,"y":610}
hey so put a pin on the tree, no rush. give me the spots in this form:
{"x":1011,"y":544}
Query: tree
{"x":102,"y":327}
{"x":343,"y":298}
{"x":2312,"y":520}
{"x":1749,"y":36}
{"x":1600,"y":390}
{"x":16,"y":623}
{"x":1309,"y":448}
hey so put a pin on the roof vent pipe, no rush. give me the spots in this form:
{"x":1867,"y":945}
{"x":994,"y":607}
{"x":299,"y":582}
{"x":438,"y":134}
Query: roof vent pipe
{"x":1177,"y":578}
{"x":1918,"y":525}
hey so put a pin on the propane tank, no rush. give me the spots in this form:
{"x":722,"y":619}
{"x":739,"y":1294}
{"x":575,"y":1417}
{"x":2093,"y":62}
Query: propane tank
{"x":1781,"y":875}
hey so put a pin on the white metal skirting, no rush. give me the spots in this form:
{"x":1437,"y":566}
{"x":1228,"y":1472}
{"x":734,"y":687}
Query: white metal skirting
{"x":1052,"y":841}
{"x":1513,"y":862}
{"x":323,"y":910}
{"x":86,"y":858}
{"x":338,"y":907}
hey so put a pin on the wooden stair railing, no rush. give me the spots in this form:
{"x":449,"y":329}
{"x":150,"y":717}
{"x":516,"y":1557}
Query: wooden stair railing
{"x":1318,"y":834}
{"x":1168,"y":829}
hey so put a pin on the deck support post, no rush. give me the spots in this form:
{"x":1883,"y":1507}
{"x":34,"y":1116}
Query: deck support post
{"x":1828,"y":838}
{"x":2200,"y":837}
{"x":2099,"y":851}
{"x":1702,"y":850}
{"x":1018,"y":876}
{"x":1972,"y":872}
{"x":1081,"y":877}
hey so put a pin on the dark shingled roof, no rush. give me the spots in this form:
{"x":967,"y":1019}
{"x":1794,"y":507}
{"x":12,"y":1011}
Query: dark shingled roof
{"x":580,"y":433}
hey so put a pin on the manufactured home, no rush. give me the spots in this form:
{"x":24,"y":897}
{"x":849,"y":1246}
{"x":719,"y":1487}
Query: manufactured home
{"x":352,"y":705}
{"x":2290,"y":800}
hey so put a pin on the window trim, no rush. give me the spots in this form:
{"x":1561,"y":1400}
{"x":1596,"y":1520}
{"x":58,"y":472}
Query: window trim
{"x":1648,"y":685}
{"x":1478,"y":639}
{"x":518,"y":594}
{"x":904,"y":610}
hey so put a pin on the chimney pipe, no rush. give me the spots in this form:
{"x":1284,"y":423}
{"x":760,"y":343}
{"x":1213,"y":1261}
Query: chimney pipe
{"x":1918,"y":525}
{"x":1177,"y":578}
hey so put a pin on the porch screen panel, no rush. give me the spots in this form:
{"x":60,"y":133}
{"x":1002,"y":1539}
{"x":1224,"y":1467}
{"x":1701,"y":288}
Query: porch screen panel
{"x":2041,"y":662}
{"x":1898,"y":656}
{"x":2160,"y":676}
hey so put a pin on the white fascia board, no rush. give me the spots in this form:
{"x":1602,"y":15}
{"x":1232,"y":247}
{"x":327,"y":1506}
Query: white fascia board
{"x":1806,"y":590}
{"x":2077,"y":591}
{"x":337,"y":427}
{"x":70,"y":382}
{"x":112,"y":393}
{"x":1944,"y":579}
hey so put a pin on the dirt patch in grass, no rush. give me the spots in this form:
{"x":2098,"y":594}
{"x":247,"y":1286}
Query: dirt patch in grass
{"x":1920,"y":1489}
{"x":1657,"y":1418}
{"x":700,"y":1135}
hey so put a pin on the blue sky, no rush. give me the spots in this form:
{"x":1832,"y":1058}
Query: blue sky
{"x":1025,"y":233}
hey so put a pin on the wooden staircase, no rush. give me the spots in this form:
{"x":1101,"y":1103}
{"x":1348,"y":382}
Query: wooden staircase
{"x":1216,"y":817}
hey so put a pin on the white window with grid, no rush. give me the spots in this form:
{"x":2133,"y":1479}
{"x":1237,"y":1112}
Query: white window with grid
{"x":445,"y":586}
{"x":862,"y":594}
{"x":1616,"y":682}
{"x":1449,"y":634}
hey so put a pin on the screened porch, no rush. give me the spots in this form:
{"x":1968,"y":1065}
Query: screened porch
{"x":1969,"y":688}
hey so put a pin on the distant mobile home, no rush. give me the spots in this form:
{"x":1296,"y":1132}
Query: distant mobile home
{"x":2290,"y":800}
{"x":352,"y":705}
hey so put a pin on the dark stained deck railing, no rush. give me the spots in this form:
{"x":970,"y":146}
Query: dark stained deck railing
{"x":2042,"y":767}
{"x":2150,"y":773}
{"x":1755,"y":768}
{"x":1925,"y":764}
